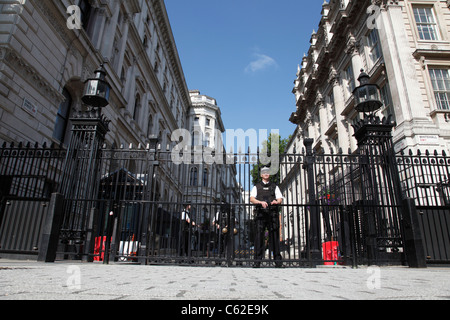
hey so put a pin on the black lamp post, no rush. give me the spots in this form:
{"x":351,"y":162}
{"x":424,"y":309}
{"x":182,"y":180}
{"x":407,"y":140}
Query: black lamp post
{"x":378,"y":166}
{"x":96,"y":90}
{"x":375,"y":146}
{"x":83,"y":163}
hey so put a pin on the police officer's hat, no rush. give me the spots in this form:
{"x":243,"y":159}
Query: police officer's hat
{"x":265,"y":170}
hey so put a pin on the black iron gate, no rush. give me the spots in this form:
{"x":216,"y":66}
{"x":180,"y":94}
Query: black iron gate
{"x":126,"y":205}
{"x":137,"y":213}
{"x":142,"y":194}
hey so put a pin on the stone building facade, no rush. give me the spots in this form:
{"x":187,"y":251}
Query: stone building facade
{"x":404,"y":46}
{"x":47,"y":54}
{"x":45,"y":58}
{"x":210,"y":180}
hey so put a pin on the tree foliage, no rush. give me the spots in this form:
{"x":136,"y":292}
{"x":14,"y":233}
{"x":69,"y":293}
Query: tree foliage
{"x":275,"y":139}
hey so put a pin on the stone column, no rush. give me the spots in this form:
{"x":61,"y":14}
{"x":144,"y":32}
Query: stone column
{"x":339,"y":105}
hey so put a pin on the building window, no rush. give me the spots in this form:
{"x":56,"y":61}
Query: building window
{"x":426,"y":23}
{"x":85,"y":9}
{"x":145,"y":42}
{"x":350,"y":77}
{"x":207,"y":140}
{"x":373,"y":41}
{"x":62,"y":117}
{"x":137,"y":108}
{"x":440,"y":80}
{"x":205,"y":177}
{"x":193,"y":178}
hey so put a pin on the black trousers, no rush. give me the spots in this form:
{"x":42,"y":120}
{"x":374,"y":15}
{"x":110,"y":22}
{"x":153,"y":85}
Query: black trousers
{"x":185,"y":242}
{"x":185,"y":239}
{"x":270,"y":221}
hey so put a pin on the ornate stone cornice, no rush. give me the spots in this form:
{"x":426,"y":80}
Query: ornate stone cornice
{"x":167,"y":36}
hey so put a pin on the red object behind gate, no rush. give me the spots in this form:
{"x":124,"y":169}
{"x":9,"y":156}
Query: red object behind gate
{"x":99,"y":241}
{"x":330,"y":252}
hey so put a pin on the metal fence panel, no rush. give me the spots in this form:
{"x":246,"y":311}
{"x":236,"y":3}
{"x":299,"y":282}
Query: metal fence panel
{"x":426,"y":179}
{"x":21,"y":226}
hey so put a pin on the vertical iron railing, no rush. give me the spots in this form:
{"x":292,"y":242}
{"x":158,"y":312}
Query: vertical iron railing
{"x":135,"y":214}
{"x":336,"y":200}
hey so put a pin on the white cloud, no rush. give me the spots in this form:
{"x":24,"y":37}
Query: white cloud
{"x":261,"y":62}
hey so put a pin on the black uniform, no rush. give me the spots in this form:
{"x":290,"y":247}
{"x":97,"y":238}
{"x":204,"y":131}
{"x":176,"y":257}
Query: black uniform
{"x":186,"y":233}
{"x":267,"y":218}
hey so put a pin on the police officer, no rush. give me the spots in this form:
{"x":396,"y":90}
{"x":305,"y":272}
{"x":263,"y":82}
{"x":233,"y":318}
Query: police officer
{"x":267,"y":196}
{"x":186,"y":231}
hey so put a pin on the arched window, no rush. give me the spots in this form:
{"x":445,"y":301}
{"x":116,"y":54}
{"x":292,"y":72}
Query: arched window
{"x":86,"y":9}
{"x":61,"y":129}
{"x":193,"y":178}
{"x":137,"y":108}
{"x":205,"y":177}
{"x":145,"y":41}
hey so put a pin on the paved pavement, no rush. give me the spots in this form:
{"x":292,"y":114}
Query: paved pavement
{"x":30,"y":280}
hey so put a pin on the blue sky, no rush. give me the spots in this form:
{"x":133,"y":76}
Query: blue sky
{"x":245,"y":53}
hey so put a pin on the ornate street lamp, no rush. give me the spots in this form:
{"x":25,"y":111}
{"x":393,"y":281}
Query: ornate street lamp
{"x":367,"y":96}
{"x":96,"y":90}
{"x":83,"y":165}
